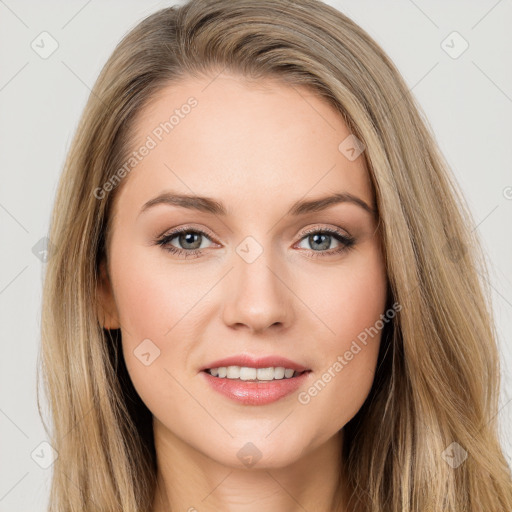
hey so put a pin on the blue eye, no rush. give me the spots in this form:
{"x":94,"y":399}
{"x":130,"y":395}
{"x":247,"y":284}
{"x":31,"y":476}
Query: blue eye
{"x":191,"y":242}
{"x":187,"y":238}
{"x":322,"y":240}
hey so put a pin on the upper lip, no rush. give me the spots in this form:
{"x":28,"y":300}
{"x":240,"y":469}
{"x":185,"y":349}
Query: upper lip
{"x":255,"y":362}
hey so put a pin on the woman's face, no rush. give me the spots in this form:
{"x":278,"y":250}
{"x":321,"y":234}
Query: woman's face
{"x":266,"y":267}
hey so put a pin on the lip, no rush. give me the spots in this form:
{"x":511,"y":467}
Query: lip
{"x":255,"y":393}
{"x":256,"y":362}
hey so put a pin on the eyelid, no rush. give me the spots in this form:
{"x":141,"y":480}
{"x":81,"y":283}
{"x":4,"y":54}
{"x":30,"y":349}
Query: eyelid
{"x":185,"y":228}
{"x":326,"y":229}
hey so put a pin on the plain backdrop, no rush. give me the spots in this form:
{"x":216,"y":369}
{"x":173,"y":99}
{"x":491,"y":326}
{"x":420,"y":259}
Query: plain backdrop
{"x":466,"y":96}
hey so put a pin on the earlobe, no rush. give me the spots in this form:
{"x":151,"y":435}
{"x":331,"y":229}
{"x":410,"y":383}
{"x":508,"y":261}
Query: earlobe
{"x":107,"y":313}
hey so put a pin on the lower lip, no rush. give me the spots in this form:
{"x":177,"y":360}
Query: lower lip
{"x":255,"y":393}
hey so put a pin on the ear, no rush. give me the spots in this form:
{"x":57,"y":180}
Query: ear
{"x":108,"y":316}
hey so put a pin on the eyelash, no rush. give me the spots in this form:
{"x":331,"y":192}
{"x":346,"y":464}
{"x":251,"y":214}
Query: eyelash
{"x":346,"y":241}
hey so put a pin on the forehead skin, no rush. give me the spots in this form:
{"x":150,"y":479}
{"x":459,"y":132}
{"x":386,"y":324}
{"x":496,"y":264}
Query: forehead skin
{"x":266,"y":141}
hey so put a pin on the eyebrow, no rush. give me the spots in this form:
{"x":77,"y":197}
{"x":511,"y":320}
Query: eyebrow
{"x":209,"y":205}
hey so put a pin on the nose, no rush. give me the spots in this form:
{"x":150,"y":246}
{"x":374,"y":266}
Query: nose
{"x":257,"y":297}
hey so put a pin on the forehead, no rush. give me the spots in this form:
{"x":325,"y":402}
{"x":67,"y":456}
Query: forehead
{"x":228,"y":138}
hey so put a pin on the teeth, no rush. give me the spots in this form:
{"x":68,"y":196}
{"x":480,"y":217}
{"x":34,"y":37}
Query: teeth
{"x":247,"y":373}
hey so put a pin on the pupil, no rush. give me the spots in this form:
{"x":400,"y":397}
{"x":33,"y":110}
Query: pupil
{"x":323,"y":245}
{"x":188,"y":239}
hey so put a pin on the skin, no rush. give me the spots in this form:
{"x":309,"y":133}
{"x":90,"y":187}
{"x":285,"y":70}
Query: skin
{"x":257,"y":149}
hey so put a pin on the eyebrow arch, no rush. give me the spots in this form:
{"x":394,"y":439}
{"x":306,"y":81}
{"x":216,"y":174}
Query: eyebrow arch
{"x":208,"y":205}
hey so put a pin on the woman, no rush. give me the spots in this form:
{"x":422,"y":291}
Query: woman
{"x":265,"y":288}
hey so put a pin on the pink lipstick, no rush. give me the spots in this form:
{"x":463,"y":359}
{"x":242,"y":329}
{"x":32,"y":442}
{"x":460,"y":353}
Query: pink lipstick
{"x":255,"y":381}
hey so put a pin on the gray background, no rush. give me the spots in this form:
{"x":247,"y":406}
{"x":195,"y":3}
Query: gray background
{"x":467,"y":100}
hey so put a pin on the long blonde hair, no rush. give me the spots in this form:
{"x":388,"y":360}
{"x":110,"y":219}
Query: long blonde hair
{"x":437,"y":381}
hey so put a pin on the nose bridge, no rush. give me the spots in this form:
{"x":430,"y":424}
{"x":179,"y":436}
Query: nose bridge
{"x":257,"y":295}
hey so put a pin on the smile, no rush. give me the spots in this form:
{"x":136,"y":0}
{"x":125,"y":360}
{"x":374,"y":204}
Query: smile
{"x":251,"y":391}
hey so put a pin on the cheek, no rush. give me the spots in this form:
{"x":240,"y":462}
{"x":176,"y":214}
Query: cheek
{"x":148,"y":306}
{"x":349,"y":332}
{"x":159,"y":308}
{"x":346,"y":299}
{"x":151,"y":300}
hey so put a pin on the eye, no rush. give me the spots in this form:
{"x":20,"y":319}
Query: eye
{"x":190,"y":242}
{"x":321,"y":239}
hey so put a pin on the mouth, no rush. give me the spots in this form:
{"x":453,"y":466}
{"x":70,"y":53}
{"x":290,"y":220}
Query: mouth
{"x":251,"y":374}
{"x":255,"y":386}
{"x":243,"y":366}
{"x":255,"y":381}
